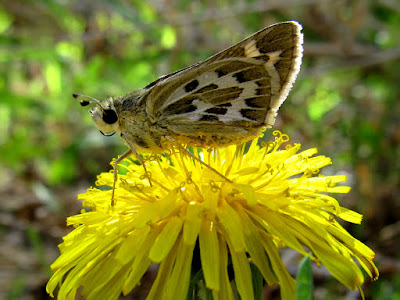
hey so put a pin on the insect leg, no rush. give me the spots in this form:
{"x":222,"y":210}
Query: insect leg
{"x":117,"y":161}
{"x":133,"y":149}
{"x":196,"y":158}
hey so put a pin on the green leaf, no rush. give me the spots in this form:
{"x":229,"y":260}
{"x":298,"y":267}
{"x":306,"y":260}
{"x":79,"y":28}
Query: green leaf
{"x":168,"y":37}
{"x":258,"y":281}
{"x":5,"y":20}
{"x":304,"y":279}
{"x":325,"y":99}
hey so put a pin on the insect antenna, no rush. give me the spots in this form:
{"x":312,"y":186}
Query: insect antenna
{"x":85,"y":102}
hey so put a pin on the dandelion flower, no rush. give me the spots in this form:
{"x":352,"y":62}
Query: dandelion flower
{"x":276,"y":198}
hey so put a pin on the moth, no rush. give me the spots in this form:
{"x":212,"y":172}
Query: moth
{"x":227,"y":99}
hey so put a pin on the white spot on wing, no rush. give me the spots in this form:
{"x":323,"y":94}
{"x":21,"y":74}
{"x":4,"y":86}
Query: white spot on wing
{"x":273,"y":72}
{"x":277,"y":99}
{"x":251,"y":50}
{"x":203,"y":79}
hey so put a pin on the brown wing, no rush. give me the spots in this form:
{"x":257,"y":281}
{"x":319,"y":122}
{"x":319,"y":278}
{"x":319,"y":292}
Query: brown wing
{"x":244,"y":84}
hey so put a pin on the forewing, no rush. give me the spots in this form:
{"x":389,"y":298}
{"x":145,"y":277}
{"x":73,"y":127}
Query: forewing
{"x":240,"y":86}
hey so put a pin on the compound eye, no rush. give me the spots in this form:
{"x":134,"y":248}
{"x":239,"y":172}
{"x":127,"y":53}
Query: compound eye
{"x":110,"y":116}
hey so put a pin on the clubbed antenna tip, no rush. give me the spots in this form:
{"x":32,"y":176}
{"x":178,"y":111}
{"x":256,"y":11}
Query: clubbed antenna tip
{"x":86,"y":102}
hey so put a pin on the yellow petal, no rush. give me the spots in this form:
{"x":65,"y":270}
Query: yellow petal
{"x":166,"y":239}
{"x":209,"y":252}
{"x":191,"y":227}
{"x":242,"y":271}
{"x":230,"y":221}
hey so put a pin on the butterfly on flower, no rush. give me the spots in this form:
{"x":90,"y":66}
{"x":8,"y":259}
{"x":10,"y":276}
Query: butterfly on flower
{"x":227,"y":99}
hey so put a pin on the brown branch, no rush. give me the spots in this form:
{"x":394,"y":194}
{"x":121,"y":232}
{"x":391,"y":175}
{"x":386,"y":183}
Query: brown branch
{"x":347,"y":62}
{"x":218,"y":13}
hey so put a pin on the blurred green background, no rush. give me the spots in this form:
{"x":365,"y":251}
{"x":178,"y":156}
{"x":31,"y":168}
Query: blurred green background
{"x":345,"y":102}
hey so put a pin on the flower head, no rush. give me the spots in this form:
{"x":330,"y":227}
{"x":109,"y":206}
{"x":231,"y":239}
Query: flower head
{"x":276,"y":199}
